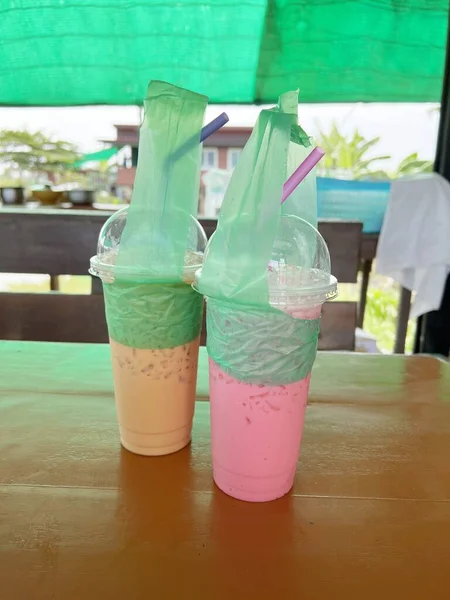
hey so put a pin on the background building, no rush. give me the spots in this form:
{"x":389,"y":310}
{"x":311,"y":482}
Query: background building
{"x":220,"y":155}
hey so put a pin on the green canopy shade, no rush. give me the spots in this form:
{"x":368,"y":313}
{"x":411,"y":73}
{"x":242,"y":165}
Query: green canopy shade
{"x":101,"y":155}
{"x":73,"y":52}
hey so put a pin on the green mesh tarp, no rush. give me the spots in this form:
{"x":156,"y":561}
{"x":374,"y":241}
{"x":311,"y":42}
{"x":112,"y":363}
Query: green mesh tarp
{"x":70,"y":52}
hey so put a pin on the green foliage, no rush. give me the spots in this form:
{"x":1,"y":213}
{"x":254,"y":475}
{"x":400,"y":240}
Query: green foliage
{"x":412,"y":165}
{"x":347,"y":155}
{"x":8,"y":181}
{"x":381,"y":317}
{"x":35,"y":152}
{"x":69,"y":176}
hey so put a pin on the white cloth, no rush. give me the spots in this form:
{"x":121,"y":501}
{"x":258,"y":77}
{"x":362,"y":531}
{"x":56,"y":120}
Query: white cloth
{"x":414,"y":243}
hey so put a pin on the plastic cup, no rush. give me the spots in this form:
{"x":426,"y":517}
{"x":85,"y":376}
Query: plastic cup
{"x":258,"y":400}
{"x":154,"y":331}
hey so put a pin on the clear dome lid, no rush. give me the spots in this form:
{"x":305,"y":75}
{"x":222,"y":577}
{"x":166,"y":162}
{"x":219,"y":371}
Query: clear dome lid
{"x":103,"y":264}
{"x":299,"y":272}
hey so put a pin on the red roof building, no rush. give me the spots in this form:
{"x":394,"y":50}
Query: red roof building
{"x":220,"y":151}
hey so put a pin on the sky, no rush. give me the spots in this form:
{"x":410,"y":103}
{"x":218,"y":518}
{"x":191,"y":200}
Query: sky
{"x":403,"y":128}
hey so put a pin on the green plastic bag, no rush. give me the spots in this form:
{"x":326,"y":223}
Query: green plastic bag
{"x":247,"y":337}
{"x":147,"y":304}
{"x":265,"y":347}
{"x":167,"y":182}
{"x":152,"y":316}
{"x":236,"y":265}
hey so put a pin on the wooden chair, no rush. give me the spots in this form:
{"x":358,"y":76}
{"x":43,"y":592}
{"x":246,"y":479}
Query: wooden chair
{"x":61,"y":242}
{"x":339,"y":318}
{"x":54,"y":242}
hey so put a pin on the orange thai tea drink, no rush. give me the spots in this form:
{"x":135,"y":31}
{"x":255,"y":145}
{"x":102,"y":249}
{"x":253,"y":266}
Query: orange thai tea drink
{"x":146,"y":258}
{"x":154,"y":334}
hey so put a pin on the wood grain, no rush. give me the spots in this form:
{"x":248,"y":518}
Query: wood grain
{"x":369,"y":242}
{"x":53,"y":241}
{"x":337,"y":329}
{"x":53,"y":317}
{"x":343,"y":239}
{"x":368,"y":516}
{"x":61,"y":242}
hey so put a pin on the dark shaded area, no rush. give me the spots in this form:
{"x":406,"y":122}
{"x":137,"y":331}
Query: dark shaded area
{"x":433,"y":329}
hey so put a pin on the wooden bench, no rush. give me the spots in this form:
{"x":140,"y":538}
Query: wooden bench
{"x":61,"y":242}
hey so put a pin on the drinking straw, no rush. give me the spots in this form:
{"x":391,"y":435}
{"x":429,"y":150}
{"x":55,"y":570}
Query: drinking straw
{"x":301,"y":172}
{"x":206,"y":131}
{"x":212,"y":127}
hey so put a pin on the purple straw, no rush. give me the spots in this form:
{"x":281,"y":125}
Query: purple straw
{"x":301,"y":172}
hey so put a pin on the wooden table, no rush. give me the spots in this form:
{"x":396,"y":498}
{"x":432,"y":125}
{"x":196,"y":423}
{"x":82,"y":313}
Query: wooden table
{"x":368,"y":518}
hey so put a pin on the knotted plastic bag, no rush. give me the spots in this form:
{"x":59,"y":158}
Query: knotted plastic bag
{"x":148,"y":305}
{"x":258,"y":346}
{"x":235,"y":267}
{"x":165,"y":193}
{"x":247,"y":337}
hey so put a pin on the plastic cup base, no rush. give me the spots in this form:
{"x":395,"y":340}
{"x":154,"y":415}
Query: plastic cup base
{"x":155,"y":449}
{"x":255,"y":489}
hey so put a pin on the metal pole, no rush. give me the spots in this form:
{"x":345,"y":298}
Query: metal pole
{"x":367,"y":268}
{"x":433,"y":330}
{"x":402,"y":321}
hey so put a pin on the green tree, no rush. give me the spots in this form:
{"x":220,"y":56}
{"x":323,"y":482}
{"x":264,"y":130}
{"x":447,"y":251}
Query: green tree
{"x":35,"y":152}
{"x":347,"y":156}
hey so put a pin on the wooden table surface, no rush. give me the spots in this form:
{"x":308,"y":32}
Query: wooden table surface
{"x":368,"y":517}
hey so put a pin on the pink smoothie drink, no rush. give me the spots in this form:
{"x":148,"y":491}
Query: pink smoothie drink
{"x":262,"y":336}
{"x":256,"y":431}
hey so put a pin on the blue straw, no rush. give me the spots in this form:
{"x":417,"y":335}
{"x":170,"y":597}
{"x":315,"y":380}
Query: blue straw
{"x":207,"y":130}
{"x":212,"y":127}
